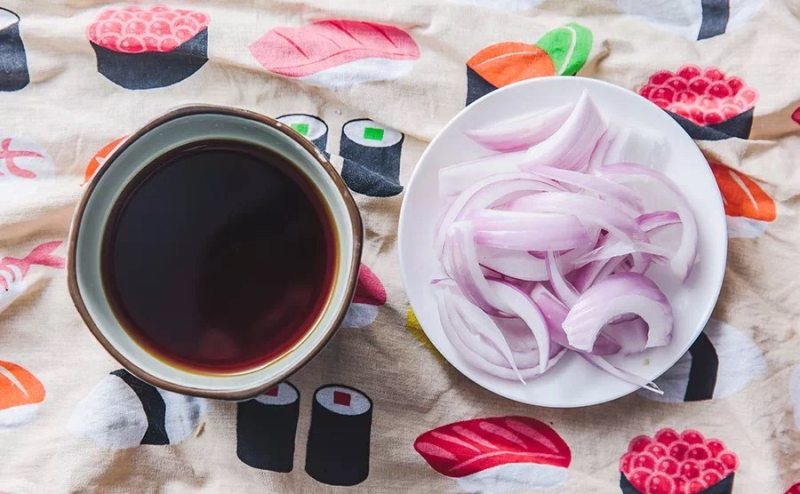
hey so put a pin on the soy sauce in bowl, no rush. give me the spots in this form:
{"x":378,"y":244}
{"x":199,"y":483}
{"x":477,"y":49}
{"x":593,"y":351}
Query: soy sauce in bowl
{"x":219,"y":257}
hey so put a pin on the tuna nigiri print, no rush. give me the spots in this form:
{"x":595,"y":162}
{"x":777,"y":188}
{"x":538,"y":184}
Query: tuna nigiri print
{"x":497,"y":454}
{"x":337,"y":52}
{"x":721,"y":362}
{"x":708,"y":104}
{"x":796,"y":115}
{"x":371,"y":153}
{"x":145,"y":48}
{"x":100,"y":157}
{"x":21,"y":395}
{"x":123,"y":412}
{"x":562,"y":51}
{"x":13,"y":61}
{"x":22,"y":159}
{"x":748,"y":208}
{"x":370,"y":294}
{"x":693,"y":19}
{"x":14,"y":271}
{"x":795,"y":489}
{"x":673,"y":463}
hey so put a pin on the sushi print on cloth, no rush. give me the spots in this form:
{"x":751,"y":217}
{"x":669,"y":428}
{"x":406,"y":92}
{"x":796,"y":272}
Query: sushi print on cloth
{"x":562,"y":51}
{"x":673,"y":463}
{"x":370,"y":294}
{"x":266,"y":428}
{"x":23,"y":159}
{"x":15,"y":272}
{"x":497,"y":454}
{"x":507,"y":5}
{"x":708,"y":104}
{"x":371,"y":153}
{"x":722,"y":361}
{"x":146,"y":48}
{"x":693,"y":19}
{"x":311,"y":127}
{"x":795,"y":489}
{"x":21,"y":395}
{"x":337,"y":452}
{"x":123,"y":412}
{"x":796,"y":115}
{"x":748,"y":208}
{"x":100,"y":157}
{"x":337,"y":52}
{"x":13,"y":60}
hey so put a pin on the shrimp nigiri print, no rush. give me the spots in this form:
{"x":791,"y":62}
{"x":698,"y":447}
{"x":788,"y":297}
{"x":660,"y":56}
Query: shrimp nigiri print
{"x":14,"y":271}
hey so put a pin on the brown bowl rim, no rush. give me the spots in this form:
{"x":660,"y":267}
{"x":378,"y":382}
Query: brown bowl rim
{"x":352,"y":279}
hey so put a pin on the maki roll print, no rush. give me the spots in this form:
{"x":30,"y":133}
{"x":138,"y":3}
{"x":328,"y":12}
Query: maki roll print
{"x":266,"y":427}
{"x":497,"y":454}
{"x":707,"y":103}
{"x":562,"y":51}
{"x":672,"y":463}
{"x":748,"y":208}
{"x":309,"y":126}
{"x":371,"y":154}
{"x":337,"y":52}
{"x":123,"y":412}
{"x":370,"y":294}
{"x":13,"y":61}
{"x":22,"y":159}
{"x":337,"y":452}
{"x":21,"y":395}
{"x":145,"y":48}
{"x":693,"y":19}
{"x":721,"y":362}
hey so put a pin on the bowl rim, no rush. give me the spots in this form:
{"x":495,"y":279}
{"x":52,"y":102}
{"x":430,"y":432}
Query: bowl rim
{"x":415,"y":174}
{"x":340,"y":312}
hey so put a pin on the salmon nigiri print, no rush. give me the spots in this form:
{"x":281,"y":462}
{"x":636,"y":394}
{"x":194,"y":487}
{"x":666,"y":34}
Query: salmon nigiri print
{"x":370,"y":294}
{"x":747,"y":206}
{"x":21,"y":395}
{"x":14,"y":271}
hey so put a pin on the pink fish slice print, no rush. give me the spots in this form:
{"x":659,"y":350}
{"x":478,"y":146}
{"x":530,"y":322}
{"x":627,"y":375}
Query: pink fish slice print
{"x":370,"y":294}
{"x":497,"y":454}
{"x":337,"y":52}
{"x":22,"y":159}
{"x":13,"y":271}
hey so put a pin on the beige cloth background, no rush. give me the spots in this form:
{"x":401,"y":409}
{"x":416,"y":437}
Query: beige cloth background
{"x":72,"y":111}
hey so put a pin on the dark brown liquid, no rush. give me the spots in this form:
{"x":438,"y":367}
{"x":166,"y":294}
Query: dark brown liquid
{"x":220,"y":256}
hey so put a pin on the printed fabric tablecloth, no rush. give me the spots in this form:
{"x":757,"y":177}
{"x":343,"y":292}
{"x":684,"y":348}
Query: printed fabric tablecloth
{"x":371,"y":83}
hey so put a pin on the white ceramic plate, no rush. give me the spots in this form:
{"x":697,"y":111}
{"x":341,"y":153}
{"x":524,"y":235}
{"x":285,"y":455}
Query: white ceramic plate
{"x":572,"y":382}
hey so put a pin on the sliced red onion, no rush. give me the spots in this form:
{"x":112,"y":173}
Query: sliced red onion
{"x":565,"y":291}
{"x":461,"y":264}
{"x":523,"y":131}
{"x":656,"y":220}
{"x":529,"y":231}
{"x":619,"y":294}
{"x":484,"y":194}
{"x":521,"y":304}
{"x":571,"y":145}
{"x":626,"y":376}
{"x":597,"y":158}
{"x":616,"y":249}
{"x":600,"y":185}
{"x":630,"y":335}
{"x":513,"y":263}
{"x":631,"y":145}
{"x":685,"y":255}
{"x":590,"y":210}
{"x":457,"y":178}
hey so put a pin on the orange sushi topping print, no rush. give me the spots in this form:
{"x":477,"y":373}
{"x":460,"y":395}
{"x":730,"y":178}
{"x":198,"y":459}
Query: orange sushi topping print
{"x":742,"y":196}
{"x":18,"y":386}
{"x":502,"y":64}
{"x":100,"y":157}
